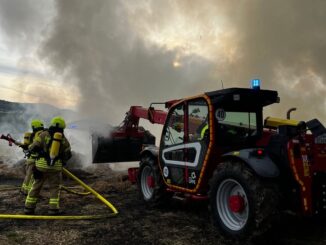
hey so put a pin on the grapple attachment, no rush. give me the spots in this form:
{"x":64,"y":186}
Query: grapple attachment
{"x":121,"y":146}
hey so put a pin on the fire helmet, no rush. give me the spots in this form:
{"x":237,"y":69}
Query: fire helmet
{"x":37,"y":124}
{"x":58,"y":122}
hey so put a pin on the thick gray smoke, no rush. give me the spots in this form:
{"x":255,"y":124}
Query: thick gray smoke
{"x":16,"y":120}
{"x":21,"y":21}
{"x":106,"y":48}
{"x":100,"y":45}
{"x":283,"y":42}
{"x":122,"y":53}
{"x":93,"y":43}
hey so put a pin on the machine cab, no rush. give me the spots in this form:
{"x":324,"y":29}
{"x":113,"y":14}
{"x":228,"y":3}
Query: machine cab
{"x":213,"y":123}
{"x":238,"y":116}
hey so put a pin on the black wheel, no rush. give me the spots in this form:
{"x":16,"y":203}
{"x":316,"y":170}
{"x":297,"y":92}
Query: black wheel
{"x":150,"y":182}
{"x":242,"y":205}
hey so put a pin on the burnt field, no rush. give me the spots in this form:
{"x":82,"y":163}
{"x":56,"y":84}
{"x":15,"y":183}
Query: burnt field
{"x":177,"y":222}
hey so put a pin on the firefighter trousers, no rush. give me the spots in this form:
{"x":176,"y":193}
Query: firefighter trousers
{"x":54,"y":181}
{"x":28,"y":180}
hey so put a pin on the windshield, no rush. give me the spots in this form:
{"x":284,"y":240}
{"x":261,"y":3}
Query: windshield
{"x":235,"y":127}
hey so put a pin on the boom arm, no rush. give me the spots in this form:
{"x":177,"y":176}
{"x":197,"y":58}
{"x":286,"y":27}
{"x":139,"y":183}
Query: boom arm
{"x":129,"y":126}
{"x":151,"y":114}
{"x":131,"y":121}
{"x":125,"y":142}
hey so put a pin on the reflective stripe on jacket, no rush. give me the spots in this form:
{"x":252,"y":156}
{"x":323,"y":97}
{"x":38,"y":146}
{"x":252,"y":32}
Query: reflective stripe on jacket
{"x":41,"y":144}
{"x":42,"y":165}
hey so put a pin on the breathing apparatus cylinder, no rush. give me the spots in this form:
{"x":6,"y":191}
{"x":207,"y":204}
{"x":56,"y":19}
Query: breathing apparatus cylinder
{"x":55,"y":147}
{"x":27,"y":138}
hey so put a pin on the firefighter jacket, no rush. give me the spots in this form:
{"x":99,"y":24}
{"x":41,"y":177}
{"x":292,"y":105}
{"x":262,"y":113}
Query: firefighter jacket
{"x":32,"y":157}
{"x":41,"y":146}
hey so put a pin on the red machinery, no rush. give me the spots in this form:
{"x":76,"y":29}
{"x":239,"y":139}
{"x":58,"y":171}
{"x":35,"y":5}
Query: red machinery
{"x":216,"y":146}
{"x":126,"y":141}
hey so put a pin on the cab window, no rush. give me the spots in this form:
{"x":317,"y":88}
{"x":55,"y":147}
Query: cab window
{"x":174,"y":131}
{"x":197,"y":120}
{"x":236,"y":127}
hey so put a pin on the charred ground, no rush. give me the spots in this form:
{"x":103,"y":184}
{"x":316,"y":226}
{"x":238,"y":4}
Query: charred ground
{"x":177,"y":222}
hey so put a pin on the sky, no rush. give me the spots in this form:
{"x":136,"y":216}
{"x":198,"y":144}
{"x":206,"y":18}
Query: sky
{"x":99,"y":57}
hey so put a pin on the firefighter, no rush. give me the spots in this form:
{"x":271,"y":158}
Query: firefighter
{"x":53,"y":150}
{"x":37,"y":127}
{"x":203,"y":130}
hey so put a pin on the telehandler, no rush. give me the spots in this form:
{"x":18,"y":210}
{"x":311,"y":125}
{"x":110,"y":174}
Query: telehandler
{"x":217,"y":147}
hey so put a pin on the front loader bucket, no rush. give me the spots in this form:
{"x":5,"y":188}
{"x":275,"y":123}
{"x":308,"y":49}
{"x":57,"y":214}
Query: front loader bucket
{"x":120,"y":148}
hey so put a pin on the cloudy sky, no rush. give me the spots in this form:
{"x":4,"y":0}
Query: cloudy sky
{"x":101,"y":56}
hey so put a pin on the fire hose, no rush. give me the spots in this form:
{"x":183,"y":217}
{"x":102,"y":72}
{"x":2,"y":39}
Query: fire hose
{"x":70,"y":190}
{"x":69,"y":217}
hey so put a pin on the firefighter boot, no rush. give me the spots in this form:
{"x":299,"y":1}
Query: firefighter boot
{"x":54,"y":212}
{"x":29,"y":211}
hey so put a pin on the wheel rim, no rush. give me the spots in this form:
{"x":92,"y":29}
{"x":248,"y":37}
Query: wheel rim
{"x":146,"y":189}
{"x":235,"y":221}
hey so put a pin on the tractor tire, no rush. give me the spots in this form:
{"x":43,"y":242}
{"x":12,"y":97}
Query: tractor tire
{"x":153,"y":193}
{"x":242,"y":205}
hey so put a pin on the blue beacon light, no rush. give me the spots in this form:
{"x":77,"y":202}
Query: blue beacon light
{"x":255,"y":84}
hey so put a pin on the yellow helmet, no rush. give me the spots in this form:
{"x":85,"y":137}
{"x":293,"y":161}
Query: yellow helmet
{"x":37,"y":124}
{"x":58,"y":122}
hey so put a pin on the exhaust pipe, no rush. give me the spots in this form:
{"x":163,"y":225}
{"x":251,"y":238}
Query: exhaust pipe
{"x":288,"y":114}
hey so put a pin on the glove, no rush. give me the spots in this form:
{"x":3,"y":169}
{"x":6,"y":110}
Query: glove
{"x":27,"y":153}
{"x":24,"y":147}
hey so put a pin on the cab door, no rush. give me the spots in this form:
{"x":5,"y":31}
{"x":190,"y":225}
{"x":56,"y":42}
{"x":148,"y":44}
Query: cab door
{"x":184,"y":143}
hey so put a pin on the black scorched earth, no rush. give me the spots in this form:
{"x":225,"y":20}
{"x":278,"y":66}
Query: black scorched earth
{"x":177,"y":222}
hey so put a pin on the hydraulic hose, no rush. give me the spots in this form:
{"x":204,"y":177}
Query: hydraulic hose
{"x":67,"y":217}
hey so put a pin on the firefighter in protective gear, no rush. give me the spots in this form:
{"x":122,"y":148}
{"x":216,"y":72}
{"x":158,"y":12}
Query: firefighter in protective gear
{"x":203,"y":130}
{"x":37,"y":127}
{"x":53,"y":151}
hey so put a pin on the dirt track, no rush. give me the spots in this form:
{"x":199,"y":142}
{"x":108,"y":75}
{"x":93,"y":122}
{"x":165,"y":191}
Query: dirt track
{"x":176,"y":223}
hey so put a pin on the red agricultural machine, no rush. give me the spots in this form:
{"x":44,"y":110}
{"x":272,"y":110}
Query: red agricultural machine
{"x":217,"y":147}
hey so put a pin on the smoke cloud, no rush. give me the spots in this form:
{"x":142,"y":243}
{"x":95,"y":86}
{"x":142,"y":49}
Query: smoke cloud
{"x":21,"y":22}
{"x":122,"y":53}
{"x":283,"y":43}
{"x":94,"y":44}
{"x":16,"y":120}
